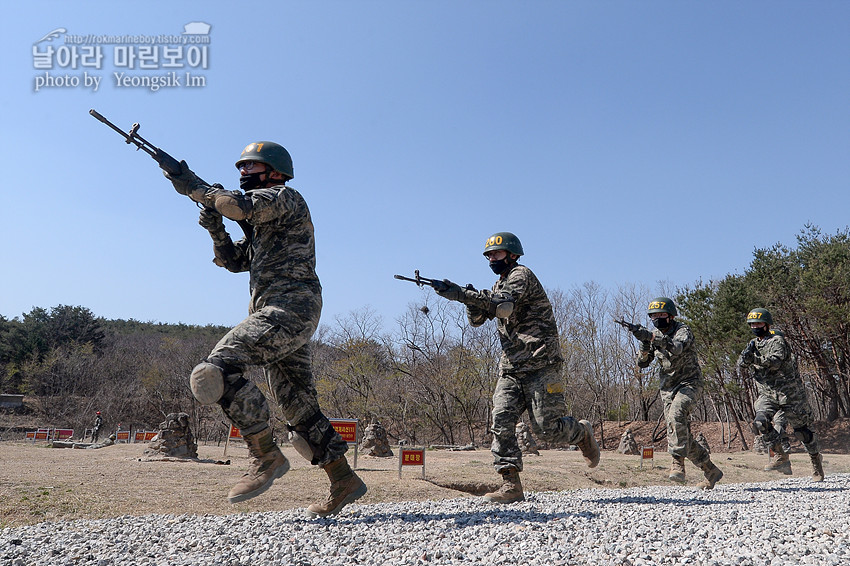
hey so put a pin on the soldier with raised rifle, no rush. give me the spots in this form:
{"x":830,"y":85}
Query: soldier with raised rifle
{"x":681,"y":384}
{"x":530,"y":365}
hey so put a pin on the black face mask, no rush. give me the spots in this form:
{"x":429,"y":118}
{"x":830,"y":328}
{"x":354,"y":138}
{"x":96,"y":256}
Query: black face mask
{"x":251,"y":181}
{"x":760,"y":332}
{"x":661,"y":323}
{"x":499,"y":266}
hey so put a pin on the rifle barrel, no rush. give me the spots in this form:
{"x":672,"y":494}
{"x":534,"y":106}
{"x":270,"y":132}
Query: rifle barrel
{"x":100,"y":117}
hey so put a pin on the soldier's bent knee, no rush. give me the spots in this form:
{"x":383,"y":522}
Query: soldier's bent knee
{"x":761,"y":424}
{"x":207,"y":383}
{"x":304,"y":444}
{"x":804,"y":435}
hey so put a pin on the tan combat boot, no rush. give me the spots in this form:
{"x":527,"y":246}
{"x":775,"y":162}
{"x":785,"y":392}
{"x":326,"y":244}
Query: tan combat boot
{"x":779,"y":463}
{"x":267,"y":463}
{"x":510,"y":491}
{"x":677,"y":469}
{"x":588,"y":446}
{"x":817,"y":467}
{"x":346,"y":486}
{"x":712,"y":475}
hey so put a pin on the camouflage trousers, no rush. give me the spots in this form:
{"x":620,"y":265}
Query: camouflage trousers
{"x":277,"y":339}
{"x":541,"y":393}
{"x":787,"y":407}
{"x":678,"y":403}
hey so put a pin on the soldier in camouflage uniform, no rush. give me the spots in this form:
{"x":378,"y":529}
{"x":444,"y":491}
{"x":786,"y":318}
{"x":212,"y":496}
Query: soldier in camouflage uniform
{"x":780,"y":388}
{"x":286,"y":300}
{"x":681,"y":384}
{"x":530,"y":365}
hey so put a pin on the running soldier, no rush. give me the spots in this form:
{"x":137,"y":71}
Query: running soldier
{"x":286,"y":300}
{"x":530,"y":365}
{"x":780,"y":390}
{"x":681,"y":384}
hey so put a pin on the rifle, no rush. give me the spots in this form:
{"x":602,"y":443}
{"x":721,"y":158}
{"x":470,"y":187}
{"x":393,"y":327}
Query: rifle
{"x":420,"y":280}
{"x":640,"y":332}
{"x":436,"y":284}
{"x":165,"y":161}
{"x":747,"y":354}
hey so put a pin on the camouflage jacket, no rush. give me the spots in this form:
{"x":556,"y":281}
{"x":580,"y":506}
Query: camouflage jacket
{"x":281,"y":252}
{"x":773,"y":364}
{"x":529,"y":335}
{"x":676,"y":354}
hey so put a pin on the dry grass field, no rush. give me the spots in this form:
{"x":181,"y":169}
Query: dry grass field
{"x":39,"y":483}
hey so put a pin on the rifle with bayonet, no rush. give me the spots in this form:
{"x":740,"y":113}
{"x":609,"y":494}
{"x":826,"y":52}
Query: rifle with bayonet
{"x":500,"y":305}
{"x":163,"y":159}
{"x":436,"y":284}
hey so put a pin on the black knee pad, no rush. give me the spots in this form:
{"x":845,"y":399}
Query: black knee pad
{"x":804,"y":435}
{"x":761,"y":424}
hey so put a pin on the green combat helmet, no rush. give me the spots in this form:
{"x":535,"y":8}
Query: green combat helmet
{"x":662,"y":304}
{"x":760,"y":315}
{"x":272,"y":154}
{"x":503,"y":241}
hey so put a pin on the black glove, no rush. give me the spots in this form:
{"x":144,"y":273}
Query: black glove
{"x":748,"y":354}
{"x":184,"y":182}
{"x":642,"y":333}
{"x":449,"y":290}
{"x":211,"y":219}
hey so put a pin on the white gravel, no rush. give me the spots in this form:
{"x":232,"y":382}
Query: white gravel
{"x":788,"y":522}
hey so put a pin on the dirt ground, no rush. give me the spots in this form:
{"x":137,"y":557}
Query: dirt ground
{"x":39,"y":483}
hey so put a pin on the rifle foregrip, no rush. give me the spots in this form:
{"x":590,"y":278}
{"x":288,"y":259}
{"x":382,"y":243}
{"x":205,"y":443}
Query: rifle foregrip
{"x":167,"y":163}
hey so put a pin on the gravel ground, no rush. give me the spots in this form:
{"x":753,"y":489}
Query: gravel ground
{"x":788,"y":522}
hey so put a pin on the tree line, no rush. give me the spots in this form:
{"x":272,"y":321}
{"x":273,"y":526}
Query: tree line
{"x":430,"y":379}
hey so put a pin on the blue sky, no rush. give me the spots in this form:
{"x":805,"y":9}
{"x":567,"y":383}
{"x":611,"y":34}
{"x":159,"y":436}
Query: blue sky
{"x":623,"y":142}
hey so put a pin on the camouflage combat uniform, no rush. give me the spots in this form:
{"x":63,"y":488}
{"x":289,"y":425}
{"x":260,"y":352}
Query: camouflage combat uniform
{"x":529,"y":368}
{"x":780,"y":389}
{"x":286,"y":301}
{"x":681,"y":384}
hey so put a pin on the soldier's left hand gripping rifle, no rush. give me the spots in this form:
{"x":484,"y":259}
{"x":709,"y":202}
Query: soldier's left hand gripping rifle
{"x":639,"y":331}
{"x":165,"y":161}
{"x":443,"y":287}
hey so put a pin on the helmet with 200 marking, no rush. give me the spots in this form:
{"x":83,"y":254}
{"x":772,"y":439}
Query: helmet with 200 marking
{"x":503,"y":241}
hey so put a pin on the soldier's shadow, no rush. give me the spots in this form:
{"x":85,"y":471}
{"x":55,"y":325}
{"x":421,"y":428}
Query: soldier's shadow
{"x":790,"y":489}
{"x":487,"y":515}
{"x":678,"y":502}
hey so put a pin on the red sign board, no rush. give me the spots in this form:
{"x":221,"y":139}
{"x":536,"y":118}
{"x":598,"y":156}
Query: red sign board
{"x":122,"y":436}
{"x":648,"y":453}
{"x":50,"y":434}
{"x":347,"y":429}
{"x":144,"y":435}
{"x":412,"y":457}
{"x":234,"y":432}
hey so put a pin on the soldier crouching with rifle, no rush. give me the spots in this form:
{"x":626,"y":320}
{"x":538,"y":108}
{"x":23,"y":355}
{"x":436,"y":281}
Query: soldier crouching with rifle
{"x":530,"y":366}
{"x":286,"y":300}
{"x":681,"y":384}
